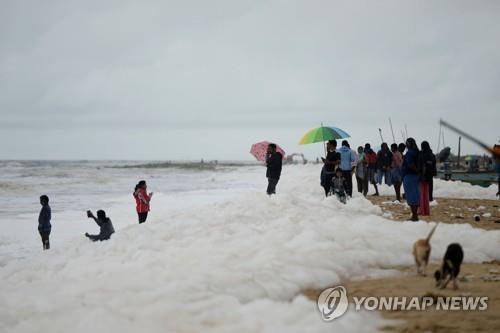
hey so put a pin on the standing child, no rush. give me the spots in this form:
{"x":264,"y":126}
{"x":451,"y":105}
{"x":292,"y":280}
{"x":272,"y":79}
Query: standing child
{"x":44,"y":226}
{"x":142,"y":200}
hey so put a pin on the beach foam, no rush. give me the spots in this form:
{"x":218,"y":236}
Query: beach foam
{"x":232,"y":262}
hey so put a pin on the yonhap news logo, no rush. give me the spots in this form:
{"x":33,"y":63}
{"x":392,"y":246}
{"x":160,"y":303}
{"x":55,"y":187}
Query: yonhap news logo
{"x":333,"y":303}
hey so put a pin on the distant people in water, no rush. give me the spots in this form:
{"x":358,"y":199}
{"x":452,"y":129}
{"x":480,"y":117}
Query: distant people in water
{"x":411,"y":177}
{"x":274,"y":161}
{"x":44,"y":226}
{"x":330,"y":162}
{"x":104,"y":223}
{"x":347,"y":164}
{"x":142,"y":200}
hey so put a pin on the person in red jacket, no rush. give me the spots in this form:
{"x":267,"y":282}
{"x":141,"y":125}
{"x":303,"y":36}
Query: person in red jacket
{"x":142,"y":199}
{"x":371,"y":160}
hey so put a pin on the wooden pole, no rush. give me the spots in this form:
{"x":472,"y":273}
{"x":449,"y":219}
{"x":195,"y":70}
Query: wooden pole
{"x":392,"y":131}
{"x":439,"y":139}
{"x":380,"y":132}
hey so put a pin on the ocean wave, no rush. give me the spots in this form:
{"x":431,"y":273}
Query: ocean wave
{"x":212,"y":165}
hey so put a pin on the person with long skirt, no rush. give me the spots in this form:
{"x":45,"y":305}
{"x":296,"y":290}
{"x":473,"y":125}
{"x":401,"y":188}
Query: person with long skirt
{"x":428,"y":171}
{"x":411,"y":177}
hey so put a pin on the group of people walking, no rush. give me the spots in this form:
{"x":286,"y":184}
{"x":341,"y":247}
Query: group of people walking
{"x":402,"y":164}
{"x":142,"y":200}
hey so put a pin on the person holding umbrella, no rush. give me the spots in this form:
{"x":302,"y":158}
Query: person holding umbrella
{"x":330,"y":163}
{"x":274,"y":160}
{"x":332,"y":158}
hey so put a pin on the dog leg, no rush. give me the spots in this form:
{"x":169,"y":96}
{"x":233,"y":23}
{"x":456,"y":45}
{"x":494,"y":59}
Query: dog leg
{"x":443,"y":286}
{"x":455,"y":285}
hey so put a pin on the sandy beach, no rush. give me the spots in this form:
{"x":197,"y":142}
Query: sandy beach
{"x":474,"y":280}
{"x":448,"y":210}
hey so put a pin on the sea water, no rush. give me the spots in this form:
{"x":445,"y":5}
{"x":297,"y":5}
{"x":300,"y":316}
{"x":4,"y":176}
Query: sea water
{"x":77,"y":186}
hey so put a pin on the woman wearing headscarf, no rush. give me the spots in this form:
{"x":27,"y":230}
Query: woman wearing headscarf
{"x":427,"y":173}
{"x":411,"y":177}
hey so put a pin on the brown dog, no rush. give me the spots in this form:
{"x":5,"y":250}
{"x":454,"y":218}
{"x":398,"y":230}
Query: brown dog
{"x":422,"y":252}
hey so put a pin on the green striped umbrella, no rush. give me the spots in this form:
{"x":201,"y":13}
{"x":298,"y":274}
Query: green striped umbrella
{"x":322,"y":134}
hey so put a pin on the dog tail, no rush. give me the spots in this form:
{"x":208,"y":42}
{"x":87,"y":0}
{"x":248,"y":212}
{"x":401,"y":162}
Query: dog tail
{"x":431,"y":233}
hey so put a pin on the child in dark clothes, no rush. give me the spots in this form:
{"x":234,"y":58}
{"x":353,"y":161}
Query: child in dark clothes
{"x":338,"y":186}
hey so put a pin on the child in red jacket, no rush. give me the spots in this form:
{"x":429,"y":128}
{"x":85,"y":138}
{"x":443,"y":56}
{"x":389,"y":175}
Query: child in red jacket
{"x":142,"y":199}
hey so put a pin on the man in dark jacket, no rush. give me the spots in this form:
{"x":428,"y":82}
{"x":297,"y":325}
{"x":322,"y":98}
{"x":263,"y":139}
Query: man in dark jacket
{"x":104,"y":223}
{"x":330,"y":163}
{"x":274,"y":161}
{"x":384,"y":163}
{"x":428,"y":167}
{"x":44,"y":226}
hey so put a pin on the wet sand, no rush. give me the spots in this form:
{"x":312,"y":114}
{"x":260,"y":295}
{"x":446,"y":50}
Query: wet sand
{"x":448,"y":211}
{"x":473,"y":282}
{"x":474,"y":279}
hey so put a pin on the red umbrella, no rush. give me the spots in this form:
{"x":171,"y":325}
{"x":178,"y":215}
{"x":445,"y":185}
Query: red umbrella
{"x":259,"y":150}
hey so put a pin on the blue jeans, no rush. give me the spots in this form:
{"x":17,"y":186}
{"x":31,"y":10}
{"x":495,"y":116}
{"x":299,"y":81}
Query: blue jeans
{"x":386,"y":174}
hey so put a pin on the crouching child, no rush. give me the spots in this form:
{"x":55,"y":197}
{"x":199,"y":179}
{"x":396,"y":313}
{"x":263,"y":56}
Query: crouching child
{"x":104,"y":223}
{"x":338,"y":186}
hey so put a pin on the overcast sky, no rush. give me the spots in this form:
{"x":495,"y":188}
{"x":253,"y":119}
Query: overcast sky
{"x":206,"y":79}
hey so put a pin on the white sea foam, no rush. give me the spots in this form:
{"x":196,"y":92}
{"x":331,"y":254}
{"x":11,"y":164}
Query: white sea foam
{"x":219,"y":259}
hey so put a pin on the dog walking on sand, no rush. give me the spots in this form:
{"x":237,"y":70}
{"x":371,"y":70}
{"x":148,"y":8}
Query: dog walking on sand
{"x":422,"y":252}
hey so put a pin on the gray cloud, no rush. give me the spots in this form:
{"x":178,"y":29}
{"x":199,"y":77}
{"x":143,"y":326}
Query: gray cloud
{"x":227,"y":73}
